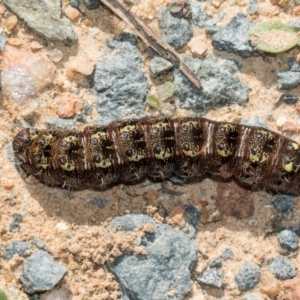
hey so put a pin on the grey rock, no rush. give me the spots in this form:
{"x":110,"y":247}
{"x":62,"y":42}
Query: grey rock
{"x":294,"y":23}
{"x":212,"y":29}
{"x":45,"y":18}
{"x":215,"y":263}
{"x":92,"y":4}
{"x":252,"y":7}
{"x":284,"y":202}
{"x":234,"y":37}
{"x":198,"y":13}
{"x":288,"y":240}
{"x":81,"y":118}
{"x":220,"y":86}
{"x":251,"y":296}
{"x":75,"y":3}
{"x":87,"y":109}
{"x":255,"y":121}
{"x":167,"y":266}
{"x":40,"y":273}
{"x":120,"y":86}
{"x":287,"y":214}
{"x":211,"y":278}
{"x":247,"y":277}
{"x":39,"y":243}
{"x":293,"y":65}
{"x":55,"y":122}
{"x":16,"y":247}
{"x":296,"y":229}
{"x":159,"y":65}
{"x":227,"y":253}
{"x":281,"y":267}
{"x":3,"y":38}
{"x":192,"y":216}
{"x":288,"y":79}
{"x":14,"y":225}
{"x":99,"y":202}
{"x":175,"y":31}
{"x":289,"y":99}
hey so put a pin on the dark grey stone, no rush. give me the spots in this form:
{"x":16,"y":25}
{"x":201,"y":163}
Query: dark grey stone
{"x":293,"y":65}
{"x":287,"y":214}
{"x":247,"y":277}
{"x":227,"y":253}
{"x":120,"y":85}
{"x":75,"y":3}
{"x":284,"y":202}
{"x":99,"y":202}
{"x":215,"y":263}
{"x":44,"y":17}
{"x":177,"y":180}
{"x":55,"y":122}
{"x":14,"y":225}
{"x":167,"y":266}
{"x":288,"y":240}
{"x":289,"y":98}
{"x":234,"y":37}
{"x":255,"y":121}
{"x":159,"y":65}
{"x":212,"y":29}
{"x":252,"y":7}
{"x":16,"y":247}
{"x":174,"y":30}
{"x":288,"y":80}
{"x":281,"y":267}
{"x":87,"y":109}
{"x":198,"y":13}
{"x":211,"y":278}
{"x":40,"y":273}
{"x":92,"y":4}
{"x":192,"y":216}
{"x":296,"y":229}
{"x":3,"y":38}
{"x":220,"y":86}
{"x":81,"y":118}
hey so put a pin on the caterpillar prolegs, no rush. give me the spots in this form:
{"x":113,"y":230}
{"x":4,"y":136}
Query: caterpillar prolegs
{"x":128,"y":151}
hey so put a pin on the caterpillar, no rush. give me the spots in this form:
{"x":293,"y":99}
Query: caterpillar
{"x":128,"y":151}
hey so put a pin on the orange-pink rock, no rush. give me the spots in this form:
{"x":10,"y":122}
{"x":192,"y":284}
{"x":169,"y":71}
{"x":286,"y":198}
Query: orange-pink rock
{"x":65,"y":105}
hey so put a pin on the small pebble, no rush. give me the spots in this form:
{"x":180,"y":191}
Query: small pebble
{"x":82,"y":65}
{"x":227,"y":254}
{"x":41,"y":273}
{"x":165,"y":91}
{"x":35,"y":46}
{"x":284,"y":202}
{"x":13,"y":41}
{"x":72,"y":13}
{"x":65,"y":105}
{"x":10,"y":23}
{"x":252,"y":7}
{"x":269,"y":285}
{"x":215,"y":263}
{"x":294,"y":285}
{"x":247,"y":277}
{"x":288,"y":80}
{"x":288,"y":240}
{"x":75,"y":3}
{"x":16,"y":247}
{"x":92,"y":4}
{"x":14,"y":225}
{"x":211,"y":278}
{"x":55,"y":55}
{"x":288,"y":98}
{"x":51,"y":123}
{"x":282,"y":268}
{"x":99,"y":202}
{"x":2,"y":9}
{"x":198,"y":45}
{"x":159,"y":65}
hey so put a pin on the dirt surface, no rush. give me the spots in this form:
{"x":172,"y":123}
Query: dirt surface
{"x":74,"y":230}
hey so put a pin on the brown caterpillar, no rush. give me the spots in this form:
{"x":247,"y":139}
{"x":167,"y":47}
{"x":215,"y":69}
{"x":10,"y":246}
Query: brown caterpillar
{"x":128,"y":151}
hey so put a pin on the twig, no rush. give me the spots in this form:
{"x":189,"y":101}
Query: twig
{"x":151,"y":39}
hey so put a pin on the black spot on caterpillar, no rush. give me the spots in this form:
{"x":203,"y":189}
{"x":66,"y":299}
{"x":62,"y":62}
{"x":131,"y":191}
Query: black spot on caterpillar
{"x":128,"y":151}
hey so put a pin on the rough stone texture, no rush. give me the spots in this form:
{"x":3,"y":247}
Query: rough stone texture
{"x":119,"y":82}
{"x":211,"y":27}
{"x":293,"y":65}
{"x":59,"y":123}
{"x":3,"y":38}
{"x":167,"y":266}
{"x":198,"y":13}
{"x":92,"y":4}
{"x":234,"y":37}
{"x":41,"y":273}
{"x":45,"y":18}
{"x":255,"y":121}
{"x":284,"y":202}
{"x":192,"y":217}
{"x":220,"y":86}
{"x":288,"y":240}
{"x":247,"y":277}
{"x":159,"y":65}
{"x":215,"y":263}
{"x":16,"y":247}
{"x":288,"y":79}
{"x":14,"y":225}
{"x":252,"y":7}
{"x":282,"y":268}
{"x":288,"y":98}
{"x":175,"y":31}
{"x":296,"y":229}
{"x":227,"y":253}
{"x":211,"y":278}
